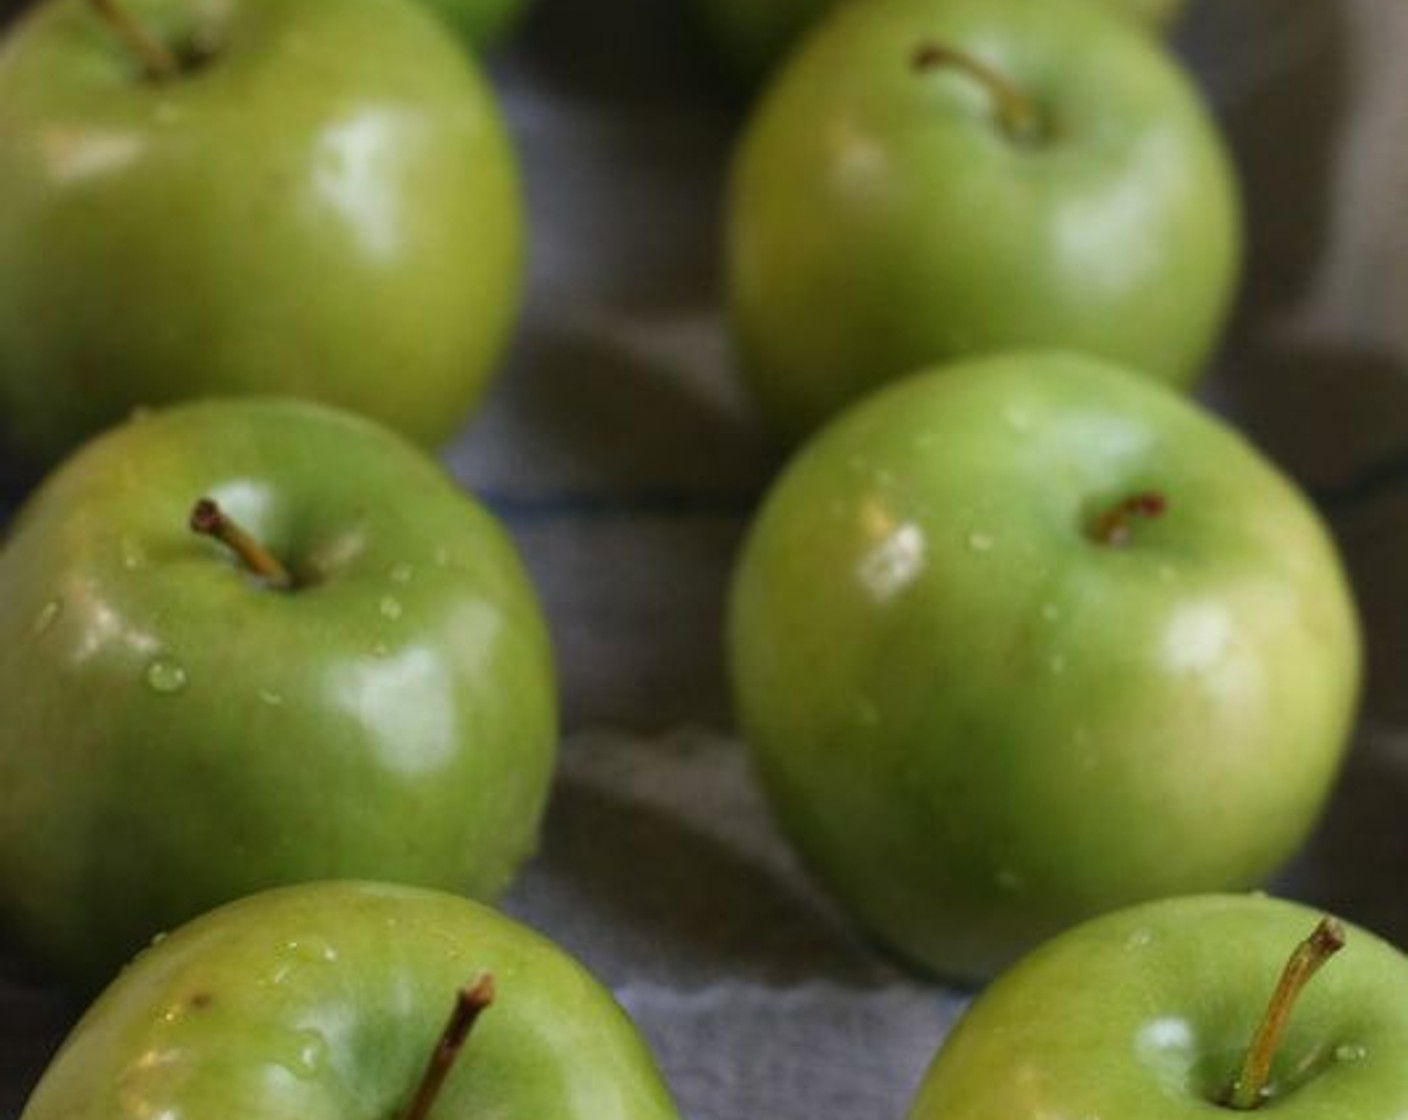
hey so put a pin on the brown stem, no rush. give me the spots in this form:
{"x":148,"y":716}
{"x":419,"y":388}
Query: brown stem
{"x":158,"y":60}
{"x":208,"y":519}
{"x":1248,"y":1090}
{"x":1015,"y":111}
{"x":470,"y":1003}
{"x":1115,"y":526}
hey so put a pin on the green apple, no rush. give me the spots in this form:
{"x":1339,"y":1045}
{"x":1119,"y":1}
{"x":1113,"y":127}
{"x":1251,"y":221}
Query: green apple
{"x":324,"y":1002}
{"x":320,"y":199}
{"x":754,"y":34}
{"x":1149,"y":1013}
{"x":180,"y":730}
{"x":483,"y":23}
{"x":1028,"y":638}
{"x":930,"y":180}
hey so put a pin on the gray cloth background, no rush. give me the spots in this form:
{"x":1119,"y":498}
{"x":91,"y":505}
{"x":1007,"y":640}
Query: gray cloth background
{"x":624,"y":459}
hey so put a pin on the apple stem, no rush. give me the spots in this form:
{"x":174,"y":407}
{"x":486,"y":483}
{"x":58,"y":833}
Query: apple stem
{"x":469,"y":1005}
{"x":1248,"y":1091}
{"x":157,"y":59}
{"x":1015,"y":111}
{"x":208,"y":519}
{"x":1116,"y":526}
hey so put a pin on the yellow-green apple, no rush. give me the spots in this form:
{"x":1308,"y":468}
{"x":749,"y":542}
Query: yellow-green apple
{"x":199,"y":198}
{"x":325,"y":1002}
{"x":1030,"y":637}
{"x":354,"y":680}
{"x":932,"y":179}
{"x":1161,"y":1011}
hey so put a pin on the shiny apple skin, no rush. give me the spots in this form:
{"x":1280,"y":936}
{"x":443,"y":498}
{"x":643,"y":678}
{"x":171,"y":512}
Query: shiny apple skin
{"x":178,"y":734}
{"x":881,"y":219}
{"x":979,"y":725}
{"x":323,"y":1002}
{"x":328,"y":207}
{"x":1147,"y":1013}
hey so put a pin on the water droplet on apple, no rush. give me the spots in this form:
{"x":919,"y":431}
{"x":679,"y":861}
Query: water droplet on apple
{"x":981,"y":542}
{"x":47,"y":616}
{"x":1051,"y":612}
{"x":1139,"y":939}
{"x":270,"y":697}
{"x":401,"y":573}
{"x":1351,"y":1052}
{"x":313,"y":949}
{"x":442,"y":557}
{"x":381,"y":649}
{"x":390,"y":608}
{"x":158,"y":938}
{"x":1057,"y":664}
{"x":312,"y":1054}
{"x":167,"y":676}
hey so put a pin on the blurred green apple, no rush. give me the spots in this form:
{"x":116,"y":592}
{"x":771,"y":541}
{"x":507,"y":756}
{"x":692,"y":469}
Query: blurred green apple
{"x":1150,"y":1012}
{"x":324,"y":1002}
{"x":180,"y":731}
{"x":1028,"y":638}
{"x":319,"y":200}
{"x":931,"y":179}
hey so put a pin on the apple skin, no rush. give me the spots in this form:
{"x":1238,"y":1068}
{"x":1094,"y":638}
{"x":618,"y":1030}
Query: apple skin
{"x":1148,"y":1012}
{"x":482,"y":23}
{"x":329,"y":207}
{"x":178,"y":734}
{"x":981,"y":726}
{"x":754,"y":35}
{"x":881,"y":219}
{"x":323,"y":1002}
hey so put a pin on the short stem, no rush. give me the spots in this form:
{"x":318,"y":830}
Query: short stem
{"x":1248,"y":1091}
{"x":157,"y":59}
{"x":470,"y":1003}
{"x":1015,"y":111}
{"x":208,"y":519}
{"x":1115,"y":526}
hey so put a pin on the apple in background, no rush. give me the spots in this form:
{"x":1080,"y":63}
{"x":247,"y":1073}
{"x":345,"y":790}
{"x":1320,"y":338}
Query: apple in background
{"x":483,"y":23}
{"x":324,"y":1002}
{"x":1029,"y":638}
{"x":320,"y":200}
{"x":180,"y":729}
{"x":1149,"y":1012}
{"x":754,"y":34}
{"x":931,"y":179}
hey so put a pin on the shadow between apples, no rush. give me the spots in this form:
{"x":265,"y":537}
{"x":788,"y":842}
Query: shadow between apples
{"x":619,"y":49}
{"x":641,"y":895}
{"x":1283,"y":93}
{"x":1358,"y":858}
{"x":629,"y":511}
{"x":33,"y":1022}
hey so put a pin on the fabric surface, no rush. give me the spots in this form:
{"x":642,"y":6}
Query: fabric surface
{"x":624,"y":459}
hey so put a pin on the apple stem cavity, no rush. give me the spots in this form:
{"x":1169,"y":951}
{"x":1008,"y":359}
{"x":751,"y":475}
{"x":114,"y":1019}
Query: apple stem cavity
{"x":1249,"y":1090}
{"x":209,"y":520}
{"x":159,"y":62}
{"x":1016,"y":112}
{"x":469,"y":1005}
{"x":1115,"y":527}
